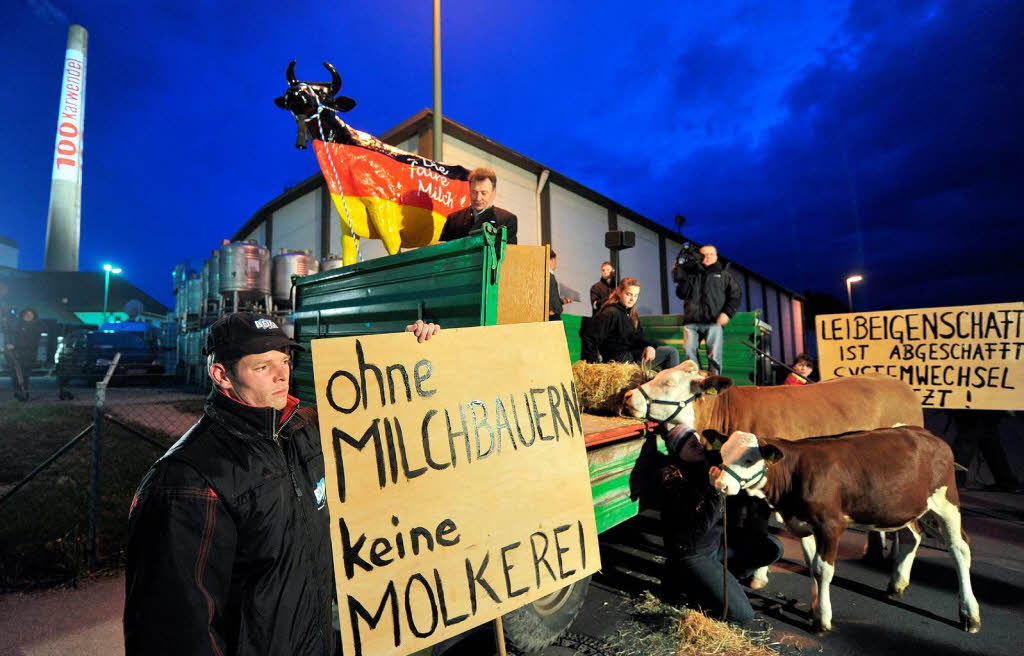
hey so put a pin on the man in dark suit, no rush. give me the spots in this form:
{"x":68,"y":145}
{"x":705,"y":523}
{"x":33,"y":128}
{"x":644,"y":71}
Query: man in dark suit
{"x":482,"y":191}
{"x":555,"y":299}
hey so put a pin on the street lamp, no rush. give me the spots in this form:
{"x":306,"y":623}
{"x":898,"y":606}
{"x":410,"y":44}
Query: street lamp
{"x":849,"y":289}
{"x":106,"y":286}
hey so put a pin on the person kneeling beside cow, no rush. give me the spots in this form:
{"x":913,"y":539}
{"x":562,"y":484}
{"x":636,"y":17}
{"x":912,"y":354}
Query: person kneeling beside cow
{"x":691,"y":527}
{"x":880,"y":479}
{"x":683,"y":395}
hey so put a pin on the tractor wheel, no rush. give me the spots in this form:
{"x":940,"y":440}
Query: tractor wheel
{"x":537,"y":625}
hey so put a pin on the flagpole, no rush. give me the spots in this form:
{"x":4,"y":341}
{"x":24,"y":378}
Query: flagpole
{"x":438,"y":153}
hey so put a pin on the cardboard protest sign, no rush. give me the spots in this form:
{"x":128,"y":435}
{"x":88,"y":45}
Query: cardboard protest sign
{"x":457,"y":479}
{"x":953,"y":357}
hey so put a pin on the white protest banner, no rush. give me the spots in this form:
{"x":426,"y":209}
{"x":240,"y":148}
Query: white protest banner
{"x":953,"y":357}
{"x":457,"y":479}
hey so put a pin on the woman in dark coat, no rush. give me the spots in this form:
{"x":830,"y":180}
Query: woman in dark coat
{"x":616,"y":335}
{"x":692,"y":531}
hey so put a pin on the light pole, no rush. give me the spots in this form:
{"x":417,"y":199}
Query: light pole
{"x":849,"y":289}
{"x":106,"y":286}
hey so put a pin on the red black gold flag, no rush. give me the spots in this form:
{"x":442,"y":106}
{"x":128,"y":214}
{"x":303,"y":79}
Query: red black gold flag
{"x":385,"y":193}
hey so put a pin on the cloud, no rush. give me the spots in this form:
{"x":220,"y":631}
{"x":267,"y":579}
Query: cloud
{"x":46,"y":11}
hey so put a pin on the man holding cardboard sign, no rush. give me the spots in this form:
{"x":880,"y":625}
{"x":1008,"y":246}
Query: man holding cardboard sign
{"x":229,"y":547}
{"x":458,"y":480}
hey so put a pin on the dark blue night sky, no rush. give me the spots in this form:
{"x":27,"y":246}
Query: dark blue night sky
{"x":807,"y":140}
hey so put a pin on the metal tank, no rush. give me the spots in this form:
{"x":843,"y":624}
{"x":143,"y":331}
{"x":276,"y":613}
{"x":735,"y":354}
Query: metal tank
{"x":244,"y":274}
{"x":331,"y":262}
{"x":193,"y":295}
{"x":211,"y":276}
{"x":180,"y":275}
{"x":286,"y":264}
{"x":244,"y":267}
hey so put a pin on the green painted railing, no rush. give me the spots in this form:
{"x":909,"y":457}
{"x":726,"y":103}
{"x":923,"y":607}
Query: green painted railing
{"x":454,"y":284}
{"x":738,"y":361}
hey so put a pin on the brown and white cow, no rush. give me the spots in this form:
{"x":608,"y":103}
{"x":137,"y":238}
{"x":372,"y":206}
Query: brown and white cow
{"x":881,"y":479}
{"x":792,"y":412}
{"x":679,"y":396}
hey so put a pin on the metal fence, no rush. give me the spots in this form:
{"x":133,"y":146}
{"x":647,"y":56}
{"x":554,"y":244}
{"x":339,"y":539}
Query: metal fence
{"x":71,"y":509}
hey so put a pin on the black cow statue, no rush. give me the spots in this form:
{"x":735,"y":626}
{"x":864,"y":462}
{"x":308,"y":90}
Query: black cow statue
{"x":307,"y":101}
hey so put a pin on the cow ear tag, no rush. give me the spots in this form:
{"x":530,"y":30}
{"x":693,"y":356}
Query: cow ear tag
{"x":712,"y":392}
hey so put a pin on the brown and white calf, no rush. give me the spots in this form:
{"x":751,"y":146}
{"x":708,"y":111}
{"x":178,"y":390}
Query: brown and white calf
{"x":882,"y":479}
{"x":681,"y":395}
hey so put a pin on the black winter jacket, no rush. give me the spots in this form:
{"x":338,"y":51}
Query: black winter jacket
{"x":691,"y":513}
{"x":25,"y":337}
{"x":599,"y":293}
{"x":611,"y":333}
{"x":229,"y":548}
{"x":708,"y":292}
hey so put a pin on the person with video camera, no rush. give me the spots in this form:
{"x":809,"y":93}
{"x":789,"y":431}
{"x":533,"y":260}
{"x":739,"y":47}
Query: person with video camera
{"x":711,"y":297}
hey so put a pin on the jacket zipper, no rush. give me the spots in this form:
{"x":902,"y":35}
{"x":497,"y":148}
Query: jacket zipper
{"x":302,"y":511}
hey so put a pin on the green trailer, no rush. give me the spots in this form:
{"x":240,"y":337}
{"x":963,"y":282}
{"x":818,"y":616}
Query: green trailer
{"x":739,"y":361}
{"x":456,"y":284}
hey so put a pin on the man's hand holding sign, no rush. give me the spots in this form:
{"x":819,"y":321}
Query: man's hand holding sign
{"x":457,"y":479}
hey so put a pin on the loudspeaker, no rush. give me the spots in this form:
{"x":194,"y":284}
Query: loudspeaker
{"x":618,"y":240}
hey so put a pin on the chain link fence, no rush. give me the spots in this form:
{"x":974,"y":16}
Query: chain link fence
{"x":70,"y":462}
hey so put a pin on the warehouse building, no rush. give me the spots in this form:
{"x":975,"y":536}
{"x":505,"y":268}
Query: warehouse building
{"x":552,"y":209}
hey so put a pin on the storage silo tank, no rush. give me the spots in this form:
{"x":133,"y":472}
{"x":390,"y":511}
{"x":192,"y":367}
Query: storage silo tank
{"x":245,"y":273}
{"x":193,"y":294}
{"x":211,"y":276}
{"x":331,"y":262}
{"x":286,"y":264}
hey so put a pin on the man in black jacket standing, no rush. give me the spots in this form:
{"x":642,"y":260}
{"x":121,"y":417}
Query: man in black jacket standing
{"x":229,"y":548}
{"x":711,"y":296}
{"x":22,"y":350}
{"x":602,"y":289}
{"x":483,"y":189}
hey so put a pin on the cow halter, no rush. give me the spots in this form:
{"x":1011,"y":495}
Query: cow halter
{"x":679,"y":405}
{"x":749,"y":481}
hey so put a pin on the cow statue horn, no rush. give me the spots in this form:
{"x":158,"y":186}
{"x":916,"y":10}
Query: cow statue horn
{"x":290,"y":73}
{"x":335,"y":79}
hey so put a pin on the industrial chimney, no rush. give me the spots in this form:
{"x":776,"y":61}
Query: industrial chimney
{"x":65,"y":213}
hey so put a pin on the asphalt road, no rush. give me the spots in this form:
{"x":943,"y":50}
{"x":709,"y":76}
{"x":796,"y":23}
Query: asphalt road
{"x":87,"y":620}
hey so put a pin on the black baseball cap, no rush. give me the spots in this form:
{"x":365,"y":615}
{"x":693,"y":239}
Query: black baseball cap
{"x":244,"y":333}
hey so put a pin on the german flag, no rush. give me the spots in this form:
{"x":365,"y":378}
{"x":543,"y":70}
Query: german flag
{"x":385,"y":193}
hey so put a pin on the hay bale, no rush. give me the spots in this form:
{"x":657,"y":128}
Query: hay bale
{"x":600,"y":386}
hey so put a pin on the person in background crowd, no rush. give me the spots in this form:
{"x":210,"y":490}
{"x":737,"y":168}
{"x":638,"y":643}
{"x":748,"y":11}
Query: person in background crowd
{"x":229,"y":548}
{"x":22,"y":351}
{"x":615,"y":333}
{"x":483,"y":184}
{"x":711,"y":297}
{"x":602,"y":289}
{"x":691,"y":519}
{"x":978,"y":430}
{"x":803,"y":367}
{"x":555,"y":302}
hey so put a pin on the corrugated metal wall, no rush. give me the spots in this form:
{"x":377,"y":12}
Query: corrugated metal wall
{"x":297,"y":225}
{"x":643,"y":263}
{"x":577,"y":235}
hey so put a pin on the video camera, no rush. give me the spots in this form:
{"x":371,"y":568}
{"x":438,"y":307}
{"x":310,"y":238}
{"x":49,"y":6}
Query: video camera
{"x":688,"y":260}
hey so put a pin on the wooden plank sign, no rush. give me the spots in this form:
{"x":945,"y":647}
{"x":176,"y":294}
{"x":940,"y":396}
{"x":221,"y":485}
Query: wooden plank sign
{"x":954,"y":357}
{"x":457,"y":479}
